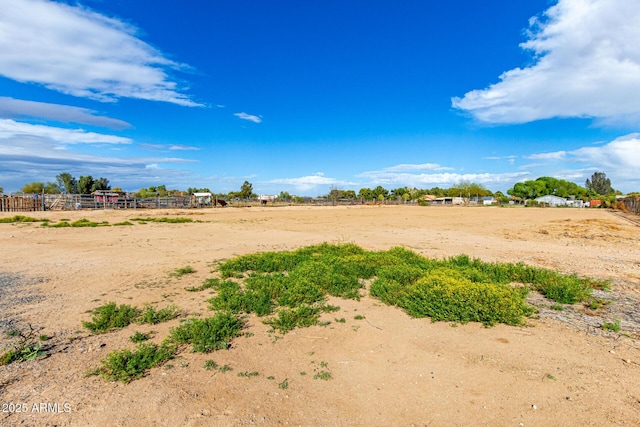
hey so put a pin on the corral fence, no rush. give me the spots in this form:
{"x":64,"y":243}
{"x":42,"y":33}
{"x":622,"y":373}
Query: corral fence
{"x":632,"y":204}
{"x":67,"y":202}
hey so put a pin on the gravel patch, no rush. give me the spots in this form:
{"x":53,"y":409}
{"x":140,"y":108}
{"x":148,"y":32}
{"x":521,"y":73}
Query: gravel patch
{"x":622,"y":307}
{"x":16,"y":292}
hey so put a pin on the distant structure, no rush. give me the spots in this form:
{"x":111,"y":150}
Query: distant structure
{"x":266,"y":198}
{"x":201,"y":200}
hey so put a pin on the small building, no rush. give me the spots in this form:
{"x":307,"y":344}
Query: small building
{"x":450,"y":201}
{"x":102,"y":196}
{"x":200,"y":200}
{"x":264,"y":198}
{"x":550,"y":200}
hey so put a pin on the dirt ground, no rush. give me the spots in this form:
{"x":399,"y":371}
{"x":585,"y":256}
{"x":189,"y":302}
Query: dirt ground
{"x":387,"y":369}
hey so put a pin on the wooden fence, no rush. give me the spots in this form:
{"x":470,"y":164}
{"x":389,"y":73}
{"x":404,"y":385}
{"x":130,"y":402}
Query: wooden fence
{"x":67,"y":202}
{"x":632,"y":204}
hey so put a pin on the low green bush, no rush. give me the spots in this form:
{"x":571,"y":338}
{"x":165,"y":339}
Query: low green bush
{"x":208,"y":334}
{"x":152,"y":316}
{"x":126,"y":365}
{"x":111,"y":316}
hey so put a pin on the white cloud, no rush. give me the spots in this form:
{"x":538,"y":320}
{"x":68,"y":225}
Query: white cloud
{"x":416,"y":167}
{"x":12,"y":108}
{"x":77,"y":51}
{"x":621,"y":156}
{"x":11,"y":129}
{"x":249,"y":117}
{"x":25,"y":159}
{"x":556,"y":155}
{"x":587,"y":64}
{"x":310,"y":182}
{"x":169,"y":147}
{"x":395,"y":179}
{"x":510,"y":159}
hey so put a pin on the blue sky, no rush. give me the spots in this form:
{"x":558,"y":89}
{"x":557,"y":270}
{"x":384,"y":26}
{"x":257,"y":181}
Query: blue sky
{"x":302,"y":96}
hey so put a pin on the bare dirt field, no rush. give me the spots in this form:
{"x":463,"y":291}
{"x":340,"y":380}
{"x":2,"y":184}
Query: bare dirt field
{"x":387,"y":369}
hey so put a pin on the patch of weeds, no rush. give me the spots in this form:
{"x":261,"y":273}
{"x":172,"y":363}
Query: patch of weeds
{"x":340,"y":320}
{"x":26,"y":348}
{"x":139,"y":337}
{"x":210,"y":365}
{"x":126,"y":365}
{"x":208,"y":334}
{"x":123,"y":223}
{"x":358,"y":317}
{"x":179,"y":272}
{"x":551,"y":377}
{"x":458,"y":289}
{"x":208,"y":284}
{"x":284,"y":384}
{"x":271,"y":378}
{"x":303,"y":373}
{"x":557,"y":307}
{"x":327,"y":308}
{"x":612,"y":326}
{"x":225,"y":368}
{"x":86,"y":223}
{"x":324,"y":323}
{"x":177,"y":220}
{"x":20,"y":218}
{"x":597,"y":303}
{"x":61,"y":224}
{"x":152,"y":316}
{"x":323,"y":375}
{"x":111,"y":316}
{"x":247,"y":374}
{"x":288,"y":319}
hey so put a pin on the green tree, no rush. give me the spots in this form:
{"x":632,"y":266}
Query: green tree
{"x":284,"y":196}
{"x":600,"y":184}
{"x":51,"y":188}
{"x":1,"y":190}
{"x":100,"y":184}
{"x":335,"y":193}
{"x":246,"y":190}
{"x":192,"y":190}
{"x":365,"y":193}
{"x":85,"y":184}
{"x":380,"y":191}
{"x":349,"y":194}
{"x":33,"y":188}
{"x":67,"y":183}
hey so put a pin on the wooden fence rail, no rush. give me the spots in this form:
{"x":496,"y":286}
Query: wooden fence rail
{"x":632,"y":204}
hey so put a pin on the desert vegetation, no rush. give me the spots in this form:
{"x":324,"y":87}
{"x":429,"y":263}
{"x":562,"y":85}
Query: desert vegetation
{"x":290,"y":290}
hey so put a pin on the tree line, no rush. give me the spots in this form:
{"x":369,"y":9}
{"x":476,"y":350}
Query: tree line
{"x":596,"y":186}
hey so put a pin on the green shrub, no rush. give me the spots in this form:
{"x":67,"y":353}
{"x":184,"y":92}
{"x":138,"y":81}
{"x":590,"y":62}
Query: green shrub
{"x":179,"y":272}
{"x":208,"y":334}
{"x":612,"y":326}
{"x":177,"y":220}
{"x":20,"y":218}
{"x":288,"y":319}
{"x":139,"y":337}
{"x":460,"y":289}
{"x":111,"y":316}
{"x":152,"y":316}
{"x":447,"y":295}
{"x":126,"y":365}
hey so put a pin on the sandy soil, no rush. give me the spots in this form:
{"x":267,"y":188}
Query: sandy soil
{"x":387,"y":369}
